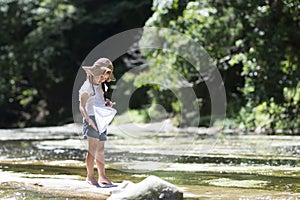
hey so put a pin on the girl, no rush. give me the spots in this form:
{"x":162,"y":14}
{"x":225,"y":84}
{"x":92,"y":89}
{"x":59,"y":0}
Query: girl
{"x":92,"y":106}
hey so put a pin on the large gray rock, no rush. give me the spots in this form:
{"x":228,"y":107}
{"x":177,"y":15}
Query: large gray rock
{"x":151,"y":188}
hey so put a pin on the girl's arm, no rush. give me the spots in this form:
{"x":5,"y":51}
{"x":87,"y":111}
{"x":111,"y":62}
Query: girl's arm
{"x":83,"y":99}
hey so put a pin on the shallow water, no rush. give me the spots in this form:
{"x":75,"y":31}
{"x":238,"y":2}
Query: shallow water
{"x":206,"y":166}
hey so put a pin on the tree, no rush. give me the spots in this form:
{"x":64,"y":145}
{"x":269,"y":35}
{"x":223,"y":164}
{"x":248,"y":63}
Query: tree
{"x":31,"y":45}
{"x":42,"y":45}
{"x":258,"y":40}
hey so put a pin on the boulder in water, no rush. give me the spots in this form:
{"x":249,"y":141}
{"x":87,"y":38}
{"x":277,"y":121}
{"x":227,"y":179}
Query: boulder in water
{"x":150,"y":188}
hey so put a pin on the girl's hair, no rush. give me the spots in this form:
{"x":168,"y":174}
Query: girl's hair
{"x":90,"y":78}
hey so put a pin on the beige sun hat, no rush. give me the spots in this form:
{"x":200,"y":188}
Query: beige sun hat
{"x":101,"y":66}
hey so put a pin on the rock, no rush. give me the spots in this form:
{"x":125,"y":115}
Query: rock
{"x":150,"y":188}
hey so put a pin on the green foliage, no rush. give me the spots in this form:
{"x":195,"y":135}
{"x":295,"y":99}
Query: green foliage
{"x":132,"y":116}
{"x":33,"y":40}
{"x":272,"y":118}
{"x":255,"y":45}
{"x":42,"y":44}
{"x":259,"y":40}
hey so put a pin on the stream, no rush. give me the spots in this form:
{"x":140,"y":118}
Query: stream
{"x":204,"y":165}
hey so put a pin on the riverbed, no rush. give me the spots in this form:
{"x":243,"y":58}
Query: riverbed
{"x":204,"y":163}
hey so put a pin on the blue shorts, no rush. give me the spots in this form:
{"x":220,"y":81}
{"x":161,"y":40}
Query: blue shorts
{"x":88,"y":131}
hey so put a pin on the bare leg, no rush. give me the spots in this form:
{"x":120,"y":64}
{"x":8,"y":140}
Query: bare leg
{"x":90,"y":158}
{"x":100,"y":162}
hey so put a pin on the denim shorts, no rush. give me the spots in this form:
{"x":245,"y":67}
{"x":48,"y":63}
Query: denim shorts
{"x":89,"y":131}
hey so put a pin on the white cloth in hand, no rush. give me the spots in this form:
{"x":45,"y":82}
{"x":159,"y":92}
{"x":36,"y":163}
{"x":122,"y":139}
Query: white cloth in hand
{"x":104,"y":115}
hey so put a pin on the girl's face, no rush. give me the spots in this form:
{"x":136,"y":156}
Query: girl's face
{"x":102,"y":78}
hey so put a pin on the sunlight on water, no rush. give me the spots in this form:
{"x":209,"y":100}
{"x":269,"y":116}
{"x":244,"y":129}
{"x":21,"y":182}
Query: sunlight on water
{"x":235,"y":162}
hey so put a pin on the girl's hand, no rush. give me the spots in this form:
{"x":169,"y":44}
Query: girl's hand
{"x":92,"y":124}
{"x":109,"y":103}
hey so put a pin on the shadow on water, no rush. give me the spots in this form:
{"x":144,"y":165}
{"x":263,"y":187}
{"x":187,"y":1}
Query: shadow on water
{"x":41,"y":169}
{"x":237,"y":161}
{"x":27,"y":150}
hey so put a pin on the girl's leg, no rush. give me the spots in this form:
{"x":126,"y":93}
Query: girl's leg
{"x":90,"y":158}
{"x":100,"y":162}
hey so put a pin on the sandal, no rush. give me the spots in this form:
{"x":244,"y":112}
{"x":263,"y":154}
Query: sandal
{"x":106,"y":185}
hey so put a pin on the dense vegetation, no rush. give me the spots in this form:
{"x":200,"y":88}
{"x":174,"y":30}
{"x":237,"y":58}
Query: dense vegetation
{"x":42,"y":45}
{"x":254,"y":43}
{"x":256,"y":47}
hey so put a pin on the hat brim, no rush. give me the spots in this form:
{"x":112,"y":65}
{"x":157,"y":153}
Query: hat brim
{"x":89,"y":69}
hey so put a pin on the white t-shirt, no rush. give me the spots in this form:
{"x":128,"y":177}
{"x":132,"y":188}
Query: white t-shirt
{"x":96,"y":99}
